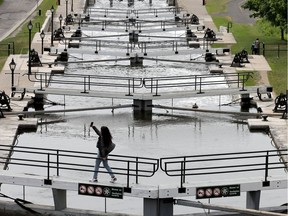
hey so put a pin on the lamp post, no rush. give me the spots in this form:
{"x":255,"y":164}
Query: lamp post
{"x":12,"y":66}
{"x":71,"y":5}
{"x":66,"y":12}
{"x":60,"y":19}
{"x":42,"y":36}
{"x":79,"y":24}
{"x":52,"y":17}
{"x":30,"y":26}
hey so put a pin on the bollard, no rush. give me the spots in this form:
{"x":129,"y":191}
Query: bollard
{"x":20,"y":116}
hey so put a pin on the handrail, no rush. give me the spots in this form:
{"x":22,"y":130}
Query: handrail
{"x":55,"y":160}
{"x":59,"y":160}
{"x":195,"y":81}
{"x":87,"y":81}
{"x":224,"y":163}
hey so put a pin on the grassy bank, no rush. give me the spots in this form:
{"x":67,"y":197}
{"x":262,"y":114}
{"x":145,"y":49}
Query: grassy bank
{"x":21,"y":38}
{"x":246,"y":34}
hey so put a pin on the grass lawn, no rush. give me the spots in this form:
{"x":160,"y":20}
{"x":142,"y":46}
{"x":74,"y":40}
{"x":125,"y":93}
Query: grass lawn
{"x":245,"y":34}
{"x":21,"y":39}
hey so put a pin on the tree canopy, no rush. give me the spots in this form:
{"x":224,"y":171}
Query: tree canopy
{"x":275,"y":11}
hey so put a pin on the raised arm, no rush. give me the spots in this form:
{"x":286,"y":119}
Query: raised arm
{"x":95,"y":129}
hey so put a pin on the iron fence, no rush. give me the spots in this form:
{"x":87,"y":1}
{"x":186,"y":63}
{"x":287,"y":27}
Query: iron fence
{"x":274,"y":49}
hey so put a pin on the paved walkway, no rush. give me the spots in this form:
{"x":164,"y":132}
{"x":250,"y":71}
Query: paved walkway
{"x":13,"y":14}
{"x":237,"y":13}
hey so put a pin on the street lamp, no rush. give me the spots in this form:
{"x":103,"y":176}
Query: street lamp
{"x":52,"y":17}
{"x":12,"y":66}
{"x":30,"y":26}
{"x":42,"y":36}
{"x":60,"y":19}
{"x":71,"y":5}
{"x":66,"y":12}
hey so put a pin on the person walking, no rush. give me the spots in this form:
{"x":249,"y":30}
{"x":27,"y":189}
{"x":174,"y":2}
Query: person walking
{"x":105,"y":146}
{"x":257,"y":46}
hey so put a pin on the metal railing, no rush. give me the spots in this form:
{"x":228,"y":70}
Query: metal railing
{"x":225,"y":163}
{"x":196,"y":82}
{"x":88,"y":81}
{"x":56,"y":161}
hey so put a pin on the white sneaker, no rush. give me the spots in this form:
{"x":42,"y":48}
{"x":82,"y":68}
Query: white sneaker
{"x":113,"y":179}
{"x":93,"y":180}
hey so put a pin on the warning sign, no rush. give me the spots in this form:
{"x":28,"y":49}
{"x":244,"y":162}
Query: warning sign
{"x":217,"y":191}
{"x":100,"y":190}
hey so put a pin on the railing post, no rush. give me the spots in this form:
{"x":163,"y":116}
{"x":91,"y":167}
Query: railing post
{"x":156,"y":88}
{"x":48,"y":180}
{"x":137,"y":167}
{"x":46,"y":81}
{"x":96,"y":50}
{"x":85,"y":91}
{"x":129,"y":92}
{"x":57,"y":162}
{"x":48,"y":166}
{"x":184,"y":170}
{"x":200,"y":92}
{"x":266,"y":183}
{"x":238,"y":81}
{"x":243,"y":83}
{"x":182,"y":189}
{"x":128,"y":176}
{"x":41,"y":82}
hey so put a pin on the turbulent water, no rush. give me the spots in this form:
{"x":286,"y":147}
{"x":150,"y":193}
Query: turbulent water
{"x":168,"y":133}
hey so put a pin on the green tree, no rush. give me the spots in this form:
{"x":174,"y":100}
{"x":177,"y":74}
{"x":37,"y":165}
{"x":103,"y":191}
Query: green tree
{"x":275,"y":11}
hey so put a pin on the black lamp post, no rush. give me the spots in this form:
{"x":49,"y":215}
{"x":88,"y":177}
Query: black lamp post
{"x":42,"y":36}
{"x":66,"y":12}
{"x":52,"y":17}
{"x":30,"y":26}
{"x":60,"y":19}
{"x":71,"y":5}
{"x":12,"y":66}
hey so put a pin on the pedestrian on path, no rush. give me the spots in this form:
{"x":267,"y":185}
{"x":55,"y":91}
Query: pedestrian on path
{"x":105,"y":146}
{"x":257,"y":46}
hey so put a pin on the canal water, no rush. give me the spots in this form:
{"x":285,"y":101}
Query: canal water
{"x":167,"y":133}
